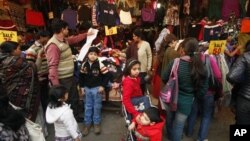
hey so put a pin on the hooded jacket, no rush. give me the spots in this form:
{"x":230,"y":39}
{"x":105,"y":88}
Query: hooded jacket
{"x":64,"y":121}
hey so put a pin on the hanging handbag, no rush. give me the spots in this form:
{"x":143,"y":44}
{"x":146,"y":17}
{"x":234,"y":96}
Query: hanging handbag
{"x":35,"y":131}
{"x":171,"y":87}
{"x":148,"y":14}
{"x":125,"y":17}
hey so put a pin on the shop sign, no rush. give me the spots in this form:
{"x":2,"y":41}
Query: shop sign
{"x":217,"y":47}
{"x":6,"y":35}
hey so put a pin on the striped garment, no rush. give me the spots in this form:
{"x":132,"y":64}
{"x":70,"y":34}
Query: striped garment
{"x":36,"y":55}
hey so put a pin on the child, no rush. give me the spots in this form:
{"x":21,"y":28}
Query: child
{"x":148,"y":124}
{"x":93,"y":79}
{"x":131,"y":86}
{"x":59,"y":113}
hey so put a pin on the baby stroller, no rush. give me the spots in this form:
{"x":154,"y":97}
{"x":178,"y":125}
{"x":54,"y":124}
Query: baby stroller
{"x":140,"y":104}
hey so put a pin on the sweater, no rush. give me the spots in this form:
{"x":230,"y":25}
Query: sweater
{"x":169,"y":55}
{"x":36,"y":54}
{"x":145,"y":56}
{"x":186,"y":89}
{"x":53,"y":54}
{"x":131,"y":89}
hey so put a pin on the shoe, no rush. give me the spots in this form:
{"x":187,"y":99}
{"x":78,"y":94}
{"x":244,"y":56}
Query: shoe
{"x":85,"y":130}
{"x":97,"y":129}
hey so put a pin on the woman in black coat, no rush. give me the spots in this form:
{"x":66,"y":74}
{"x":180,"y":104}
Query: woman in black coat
{"x":239,"y":75}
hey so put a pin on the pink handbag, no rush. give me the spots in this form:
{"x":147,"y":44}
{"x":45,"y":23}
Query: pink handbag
{"x":148,"y":14}
{"x":171,"y":88}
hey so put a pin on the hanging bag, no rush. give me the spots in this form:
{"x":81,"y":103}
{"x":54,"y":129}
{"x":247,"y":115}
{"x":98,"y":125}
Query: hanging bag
{"x":125,"y":17}
{"x":171,"y":87}
{"x":35,"y":131}
{"x":148,"y":14}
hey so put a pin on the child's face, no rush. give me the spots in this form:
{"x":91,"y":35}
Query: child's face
{"x":173,"y":44}
{"x":65,"y":98}
{"x":144,"y":119}
{"x":135,"y":70}
{"x":17,"y":51}
{"x":92,"y":56}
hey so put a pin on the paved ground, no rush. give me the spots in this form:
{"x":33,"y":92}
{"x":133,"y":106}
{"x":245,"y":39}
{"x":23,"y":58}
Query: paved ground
{"x":113,"y":127}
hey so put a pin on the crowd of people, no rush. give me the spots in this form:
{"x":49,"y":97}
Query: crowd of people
{"x":42,"y":85}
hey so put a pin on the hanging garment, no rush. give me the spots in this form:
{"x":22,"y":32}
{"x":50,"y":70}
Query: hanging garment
{"x":248,"y":9}
{"x":194,"y":30}
{"x":172,"y":15}
{"x":125,"y":17}
{"x":228,"y":7}
{"x":94,"y":15}
{"x":148,"y":14}
{"x":214,"y":10}
{"x":84,"y":13}
{"x":243,"y":8}
{"x":212,"y":32}
{"x":107,"y":15}
{"x":34,"y":18}
{"x":186,"y":7}
{"x":245,"y":25}
{"x":70,"y":16}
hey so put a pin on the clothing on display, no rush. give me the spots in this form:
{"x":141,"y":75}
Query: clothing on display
{"x":84,"y":13}
{"x":228,"y":7}
{"x":107,"y":13}
{"x":70,"y":16}
{"x":212,"y":32}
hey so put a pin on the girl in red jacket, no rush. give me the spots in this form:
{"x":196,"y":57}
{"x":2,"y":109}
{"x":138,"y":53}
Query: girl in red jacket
{"x":148,"y":125}
{"x":131,"y":86}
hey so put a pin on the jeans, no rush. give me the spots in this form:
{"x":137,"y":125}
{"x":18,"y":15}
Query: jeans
{"x":206,"y":106}
{"x":178,"y":125}
{"x":169,"y":121}
{"x":93,"y":105}
{"x":175,"y":122}
{"x":242,"y":111}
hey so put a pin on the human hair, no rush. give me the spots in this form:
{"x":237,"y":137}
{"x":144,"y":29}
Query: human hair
{"x":94,"y":49}
{"x":137,"y":32}
{"x":130,"y":63}
{"x":57,"y":25}
{"x":198,"y":71}
{"x":11,"y":118}
{"x":57,"y":93}
{"x":8,"y":46}
{"x":165,"y":44}
{"x":153,"y":114}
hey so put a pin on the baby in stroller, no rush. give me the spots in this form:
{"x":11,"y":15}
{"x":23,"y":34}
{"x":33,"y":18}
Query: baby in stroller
{"x":134,"y":103}
{"x":148,"y":125}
